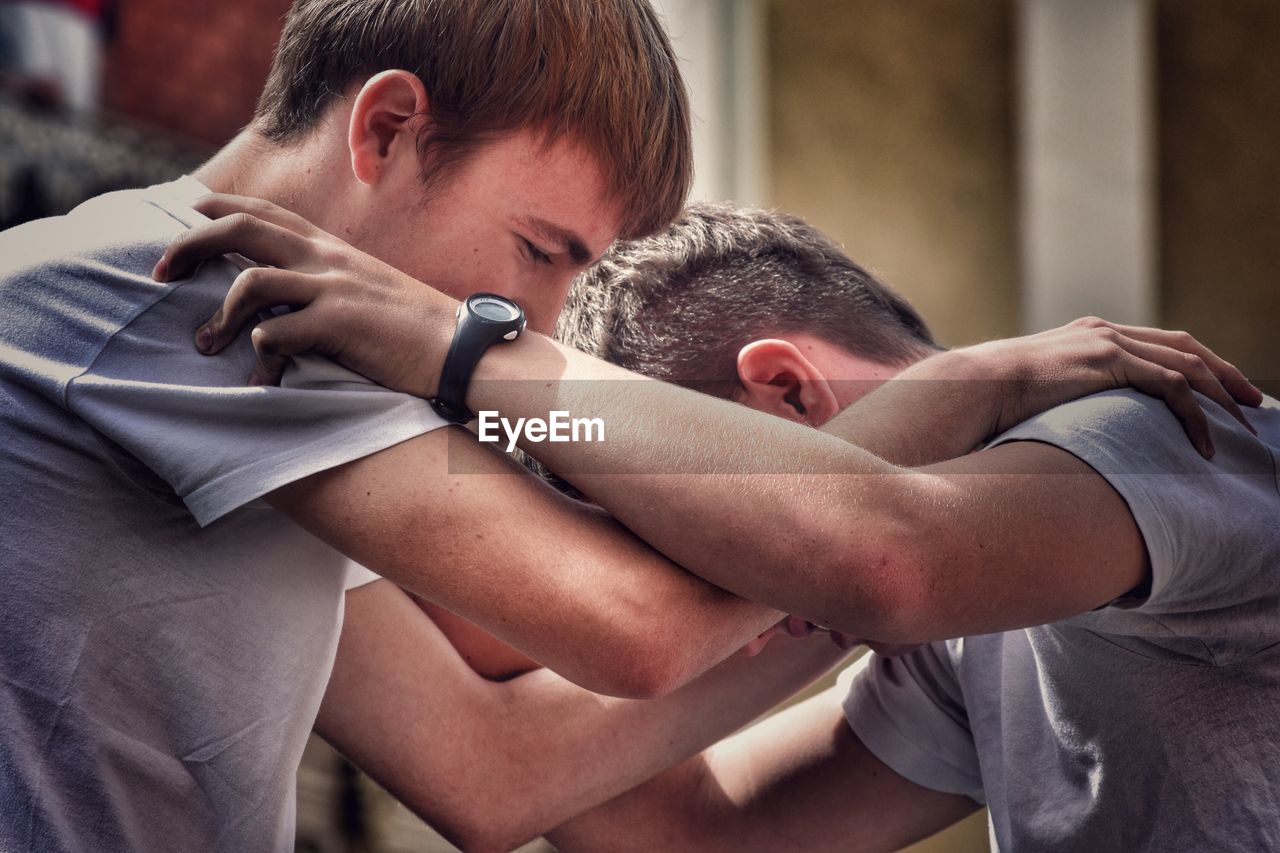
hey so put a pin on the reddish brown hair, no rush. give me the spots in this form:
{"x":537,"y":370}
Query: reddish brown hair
{"x":601,"y":72}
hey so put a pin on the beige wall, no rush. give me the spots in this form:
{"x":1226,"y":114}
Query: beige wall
{"x":1218,"y":98}
{"x":891,"y":128}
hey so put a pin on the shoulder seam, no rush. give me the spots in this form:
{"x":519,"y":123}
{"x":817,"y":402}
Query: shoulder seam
{"x":142,"y":309}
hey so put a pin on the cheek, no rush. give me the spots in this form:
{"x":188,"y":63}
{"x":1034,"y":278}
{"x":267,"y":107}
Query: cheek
{"x":458,"y":267}
{"x":543,"y":303}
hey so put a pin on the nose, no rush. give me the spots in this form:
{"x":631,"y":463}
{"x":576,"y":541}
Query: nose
{"x":546,"y":300}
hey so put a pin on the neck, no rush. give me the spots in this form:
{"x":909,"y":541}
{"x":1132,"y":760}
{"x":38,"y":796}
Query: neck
{"x":285,"y":174}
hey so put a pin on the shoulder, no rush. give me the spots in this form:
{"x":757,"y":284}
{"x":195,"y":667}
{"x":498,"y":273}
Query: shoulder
{"x":109,"y":228}
{"x":1208,"y":525}
{"x":1111,"y":413}
{"x":1125,"y":432}
{"x":70,"y":283}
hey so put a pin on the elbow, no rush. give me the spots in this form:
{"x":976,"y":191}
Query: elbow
{"x":882,"y":587}
{"x":474,"y":795}
{"x":640,"y":665}
{"x":621,"y":669}
{"x":645,"y":655}
{"x":636,"y":648}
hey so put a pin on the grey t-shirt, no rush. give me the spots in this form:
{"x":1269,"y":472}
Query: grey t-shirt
{"x":165,"y":637}
{"x":1150,"y":724}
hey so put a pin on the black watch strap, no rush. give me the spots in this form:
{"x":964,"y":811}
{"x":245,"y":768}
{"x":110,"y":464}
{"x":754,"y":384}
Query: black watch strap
{"x":472,"y":337}
{"x":464,"y":354}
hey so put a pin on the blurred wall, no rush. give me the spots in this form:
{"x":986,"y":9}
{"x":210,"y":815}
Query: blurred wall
{"x":891,"y":128}
{"x":1219,"y":177}
{"x":191,"y":68}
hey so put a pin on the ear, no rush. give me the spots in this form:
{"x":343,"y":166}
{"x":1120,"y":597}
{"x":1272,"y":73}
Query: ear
{"x":383,"y":126}
{"x":778,"y":379}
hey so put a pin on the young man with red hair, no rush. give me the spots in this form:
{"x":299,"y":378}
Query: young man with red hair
{"x":166,"y":635}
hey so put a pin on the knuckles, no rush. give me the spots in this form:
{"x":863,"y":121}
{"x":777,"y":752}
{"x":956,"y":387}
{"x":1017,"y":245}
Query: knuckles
{"x":1108,"y":334}
{"x":241,"y":224}
{"x":250,"y":283}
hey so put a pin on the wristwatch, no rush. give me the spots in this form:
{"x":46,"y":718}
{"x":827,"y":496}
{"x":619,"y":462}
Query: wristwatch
{"x":484,"y":319}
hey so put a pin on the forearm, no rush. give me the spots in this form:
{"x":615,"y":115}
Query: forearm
{"x":494,"y":764}
{"x":582,"y":750}
{"x":559,"y":580}
{"x":799,"y":780}
{"x":791,"y":516}
{"x":938,"y":409}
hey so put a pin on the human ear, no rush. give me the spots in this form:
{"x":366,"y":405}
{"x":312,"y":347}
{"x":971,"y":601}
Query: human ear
{"x":383,"y":126}
{"x":777,"y":378}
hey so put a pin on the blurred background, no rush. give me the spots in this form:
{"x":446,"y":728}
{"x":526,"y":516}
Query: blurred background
{"x":1008,"y":164}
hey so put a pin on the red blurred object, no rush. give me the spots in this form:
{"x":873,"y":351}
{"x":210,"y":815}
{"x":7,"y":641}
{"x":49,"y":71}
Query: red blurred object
{"x":194,"y":69}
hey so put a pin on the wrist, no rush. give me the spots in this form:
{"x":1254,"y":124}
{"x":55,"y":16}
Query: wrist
{"x":483,"y":321}
{"x":421,"y":358}
{"x":979,"y":383}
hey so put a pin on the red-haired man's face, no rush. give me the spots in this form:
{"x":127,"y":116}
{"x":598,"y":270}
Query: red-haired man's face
{"x":516,"y":217}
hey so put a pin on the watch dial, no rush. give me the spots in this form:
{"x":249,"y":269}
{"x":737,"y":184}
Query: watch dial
{"x":492,"y":309}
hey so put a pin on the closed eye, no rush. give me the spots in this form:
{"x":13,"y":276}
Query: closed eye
{"x":537,"y":255}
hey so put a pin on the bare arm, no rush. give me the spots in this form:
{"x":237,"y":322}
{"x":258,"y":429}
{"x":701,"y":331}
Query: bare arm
{"x":487,"y":656}
{"x":801,"y":780}
{"x":1015,"y":536}
{"x":494,"y":764}
{"x":555,"y":578}
{"x":803,"y":520}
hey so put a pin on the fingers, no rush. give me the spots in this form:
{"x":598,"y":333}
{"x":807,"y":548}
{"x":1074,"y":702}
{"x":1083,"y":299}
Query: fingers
{"x":1194,"y":368}
{"x":1171,"y":387}
{"x":264,"y":242}
{"x":1241,"y":389}
{"x":757,"y":645}
{"x":796,"y":626}
{"x":220,"y":205}
{"x":255,"y":290}
{"x":280,"y":338}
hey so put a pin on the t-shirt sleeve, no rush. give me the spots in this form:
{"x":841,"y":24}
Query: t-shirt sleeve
{"x":1209,"y":525}
{"x":910,"y":713}
{"x":357,"y":576}
{"x":218,"y":444}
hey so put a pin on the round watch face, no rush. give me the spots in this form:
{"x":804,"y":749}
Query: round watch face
{"x":497,"y":310}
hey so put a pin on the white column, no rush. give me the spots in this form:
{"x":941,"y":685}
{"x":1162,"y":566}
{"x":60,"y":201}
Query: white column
{"x":722,"y":49}
{"x":1086,"y":152}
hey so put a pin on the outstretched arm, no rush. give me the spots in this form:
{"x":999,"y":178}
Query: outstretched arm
{"x":801,"y":780}
{"x":985,"y":542}
{"x":825,"y":529}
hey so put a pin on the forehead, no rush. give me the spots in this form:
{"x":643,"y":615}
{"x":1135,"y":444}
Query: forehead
{"x":558,"y":182}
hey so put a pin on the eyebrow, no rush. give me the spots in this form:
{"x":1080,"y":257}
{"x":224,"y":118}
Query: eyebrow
{"x":575,"y":245}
